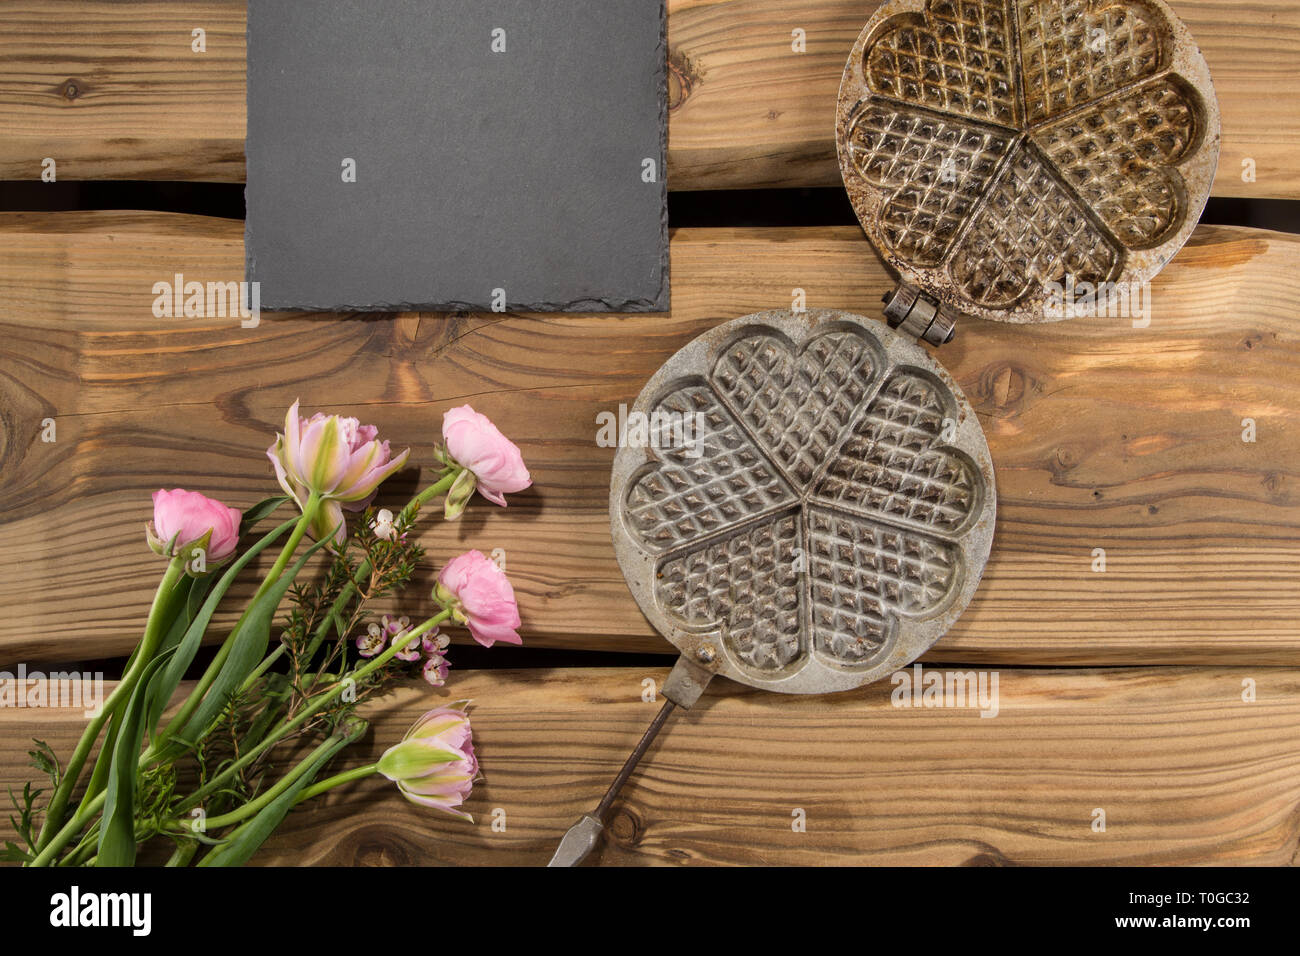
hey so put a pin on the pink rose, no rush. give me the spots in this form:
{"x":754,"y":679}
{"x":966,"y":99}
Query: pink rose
{"x":479,"y":595}
{"x":336,"y":458}
{"x":434,"y":765}
{"x":476,"y":444}
{"x":193,"y":520}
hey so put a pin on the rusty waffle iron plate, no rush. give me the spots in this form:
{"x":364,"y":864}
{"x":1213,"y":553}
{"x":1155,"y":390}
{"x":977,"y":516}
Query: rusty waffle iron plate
{"x":820,"y":506}
{"x":990,"y":147}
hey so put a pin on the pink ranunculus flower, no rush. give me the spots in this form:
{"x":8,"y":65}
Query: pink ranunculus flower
{"x":188,"y":521}
{"x":434,"y":765}
{"x":336,"y":458}
{"x":479,"y":595}
{"x":493,"y":462}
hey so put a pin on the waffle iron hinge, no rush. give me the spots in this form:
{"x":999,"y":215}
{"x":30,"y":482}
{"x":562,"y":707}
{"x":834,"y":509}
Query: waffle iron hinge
{"x":912,"y":312}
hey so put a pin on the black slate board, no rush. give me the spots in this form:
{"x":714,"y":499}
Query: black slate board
{"x":484,"y":180}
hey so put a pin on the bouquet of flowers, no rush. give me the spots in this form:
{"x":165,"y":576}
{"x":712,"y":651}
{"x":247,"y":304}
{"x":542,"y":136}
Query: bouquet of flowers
{"x":215,"y":773}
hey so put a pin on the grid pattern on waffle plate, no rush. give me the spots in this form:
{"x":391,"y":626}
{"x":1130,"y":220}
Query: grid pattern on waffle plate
{"x":748,"y":582}
{"x":1078,"y":51}
{"x":1030,"y":231}
{"x":1089,"y":83}
{"x":958,"y":60}
{"x":936,"y":166}
{"x":864,"y":575}
{"x":797,"y":405}
{"x":866,"y":538}
{"x":894,"y":464}
{"x":1118,"y":156}
{"x":708,"y":477}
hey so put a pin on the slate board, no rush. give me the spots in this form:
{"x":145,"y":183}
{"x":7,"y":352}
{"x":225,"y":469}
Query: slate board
{"x":484,"y":180}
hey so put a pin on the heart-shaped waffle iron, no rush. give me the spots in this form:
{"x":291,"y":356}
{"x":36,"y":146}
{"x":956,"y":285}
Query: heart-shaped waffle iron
{"x":812,"y":506}
{"x":801,"y":502}
{"x":995,"y":148}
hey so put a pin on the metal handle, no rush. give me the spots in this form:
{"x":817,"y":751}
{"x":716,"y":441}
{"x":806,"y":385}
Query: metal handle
{"x":682,"y":689}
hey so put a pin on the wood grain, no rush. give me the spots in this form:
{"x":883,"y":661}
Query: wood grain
{"x":1186,"y":772}
{"x":111,"y":89}
{"x":1103,"y":436}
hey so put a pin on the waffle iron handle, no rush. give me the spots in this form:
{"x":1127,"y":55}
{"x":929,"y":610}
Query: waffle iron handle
{"x":683,"y":688}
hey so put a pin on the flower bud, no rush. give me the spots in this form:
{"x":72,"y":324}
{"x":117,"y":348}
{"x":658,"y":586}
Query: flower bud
{"x":200,"y":529}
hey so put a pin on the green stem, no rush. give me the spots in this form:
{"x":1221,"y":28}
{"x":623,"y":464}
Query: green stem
{"x":439,"y":487}
{"x":318,"y":703}
{"x":159,"y":619}
{"x":340,"y":738}
{"x":253,"y":806}
{"x":363,"y":569}
{"x":205,"y":682}
{"x":261,"y":668}
{"x":70,"y":829}
{"x":182,"y":854}
{"x":286,"y":553}
{"x":347,"y":776}
{"x":82,"y":850}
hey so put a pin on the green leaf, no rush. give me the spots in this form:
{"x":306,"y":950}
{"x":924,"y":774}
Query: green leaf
{"x":276,"y":689}
{"x":198,"y":591}
{"x":181,"y":622}
{"x":247,"y":649}
{"x":22,"y":824}
{"x":250,"y":835}
{"x":13,"y":853}
{"x":46,"y":761}
{"x":188,"y":646}
{"x":99,"y":775}
{"x":117,"y":825}
{"x":261,"y":510}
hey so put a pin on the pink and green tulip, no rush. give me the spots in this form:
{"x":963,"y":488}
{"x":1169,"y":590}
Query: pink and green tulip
{"x":434,"y":765}
{"x":335,"y":460}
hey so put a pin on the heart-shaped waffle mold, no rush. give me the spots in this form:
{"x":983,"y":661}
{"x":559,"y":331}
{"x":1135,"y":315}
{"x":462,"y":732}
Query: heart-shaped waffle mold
{"x":996,"y":151}
{"x":823,"y":518}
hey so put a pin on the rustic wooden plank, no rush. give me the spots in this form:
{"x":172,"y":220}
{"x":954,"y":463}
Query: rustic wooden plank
{"x":112,"y":90}
{"x":1186,"y":772}
{"x":1103,"y":436}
